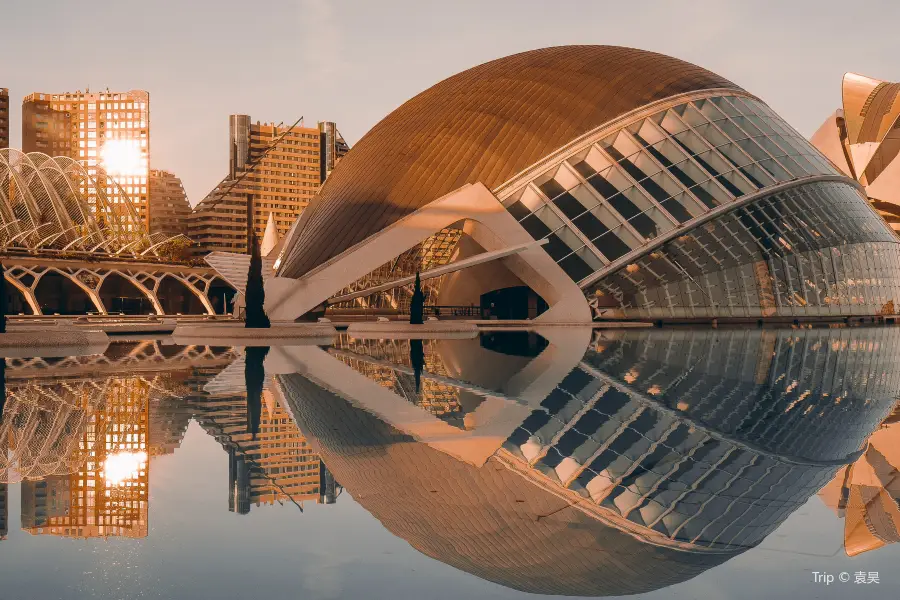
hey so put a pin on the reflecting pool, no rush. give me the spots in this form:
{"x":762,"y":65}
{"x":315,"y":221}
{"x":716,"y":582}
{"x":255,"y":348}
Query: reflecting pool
{"x":668,"y":463}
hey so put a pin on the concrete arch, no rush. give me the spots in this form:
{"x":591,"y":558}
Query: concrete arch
{"x":486,"y":221}
{"x":91,"y":294}
{"x":25,"y":293}
{"x":127,"y":307}
{"x":170,"y":305}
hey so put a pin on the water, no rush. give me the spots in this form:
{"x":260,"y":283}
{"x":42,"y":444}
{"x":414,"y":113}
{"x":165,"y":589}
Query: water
{"x":672,"y":463}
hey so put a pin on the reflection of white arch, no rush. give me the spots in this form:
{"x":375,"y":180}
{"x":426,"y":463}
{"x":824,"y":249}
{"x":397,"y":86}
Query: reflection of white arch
{"x":488,"y":223}
{"x":95,"y":299}
{"x":488,"y":426}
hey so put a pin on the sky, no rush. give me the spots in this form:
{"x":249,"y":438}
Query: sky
{"x":354,"y":61}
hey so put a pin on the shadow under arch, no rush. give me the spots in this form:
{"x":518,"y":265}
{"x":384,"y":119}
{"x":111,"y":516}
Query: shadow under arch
{"x":221,"y":296}
{"x":119,"y":295}
{"x":57,"y":293}
{"x":177,"y":297}
{"x":16,"y":300}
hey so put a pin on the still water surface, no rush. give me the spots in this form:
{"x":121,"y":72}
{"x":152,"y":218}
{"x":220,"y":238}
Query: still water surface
{"x":672,"y":463}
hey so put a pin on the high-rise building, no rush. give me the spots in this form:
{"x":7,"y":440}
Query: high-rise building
{"x":169,"y":207}
{"x":279,"y":180}
{"x":107,"y":132}
{"x":4,"y":118}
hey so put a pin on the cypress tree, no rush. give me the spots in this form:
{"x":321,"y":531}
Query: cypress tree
{"x":256,"y":294}
{"x":417,"y":305}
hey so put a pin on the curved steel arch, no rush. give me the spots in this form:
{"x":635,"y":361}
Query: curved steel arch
{"x":75,"y":210}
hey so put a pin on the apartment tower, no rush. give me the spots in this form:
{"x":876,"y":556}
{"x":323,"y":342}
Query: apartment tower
{"x":280,"y":170}
{"x":169,"y":207}
{"x":4,"y":118}
{"x":107,"y":132}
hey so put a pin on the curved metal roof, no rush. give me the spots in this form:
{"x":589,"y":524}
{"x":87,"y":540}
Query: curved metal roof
{"x":485,"y":124}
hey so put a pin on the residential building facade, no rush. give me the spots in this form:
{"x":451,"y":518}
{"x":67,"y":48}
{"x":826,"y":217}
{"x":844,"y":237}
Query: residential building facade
{"x":278,"y":180}
{"x":107,"y":132}
{"x":169,"y":206}
{"x":4,"y":118}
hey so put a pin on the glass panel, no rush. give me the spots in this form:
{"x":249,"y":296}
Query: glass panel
{"x":651,"y":223}
{"x":726,"y":106}
{"x":576,"y":267}
{"x":709,"y":109}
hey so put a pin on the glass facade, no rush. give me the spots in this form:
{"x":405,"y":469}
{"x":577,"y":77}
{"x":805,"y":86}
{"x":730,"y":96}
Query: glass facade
{"x":661,"y":172}
{"x":711,"y":438}
{"x":813,"y":250}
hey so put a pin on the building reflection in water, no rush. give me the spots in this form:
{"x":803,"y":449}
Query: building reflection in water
{"x":866,"y":494}
{"x":614,"y":465}
{"x":79,"y":434}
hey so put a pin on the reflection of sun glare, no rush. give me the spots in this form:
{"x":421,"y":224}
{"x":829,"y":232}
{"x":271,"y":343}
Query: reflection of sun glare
{"x":123,"y":466}
{"x":122,"y":157}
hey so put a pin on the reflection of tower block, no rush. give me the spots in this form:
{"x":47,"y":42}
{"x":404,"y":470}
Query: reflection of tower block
{"x":238,"y":483}
{"x":328,"y":487}
{"x":108,"y":495}
{"x":4,"y":510}
{"x":44,"y":499}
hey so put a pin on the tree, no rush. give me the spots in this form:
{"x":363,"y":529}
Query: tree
{"x":2,"y":299}
{"x":417,"y":359}
{"x":255,"y":294}
{"x":254,"y":376}
{"x":417,"y":305}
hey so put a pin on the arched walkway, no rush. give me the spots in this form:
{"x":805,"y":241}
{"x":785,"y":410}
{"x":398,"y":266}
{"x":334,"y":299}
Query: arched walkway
{"x":175,"y":297}
{"x":221,"y":296}
{"x":57,"y":294}
{"x":16,"y":302}
{"x":119,"y":295}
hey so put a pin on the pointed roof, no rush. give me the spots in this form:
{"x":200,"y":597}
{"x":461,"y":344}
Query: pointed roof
{"x":270,"y":237}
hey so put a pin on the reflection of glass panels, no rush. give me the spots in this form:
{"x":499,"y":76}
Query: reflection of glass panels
{"x":711,"y":438}
{"x":659,"y":172}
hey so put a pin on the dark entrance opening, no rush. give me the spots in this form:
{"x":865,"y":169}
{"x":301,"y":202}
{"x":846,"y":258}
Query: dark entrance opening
{"x":119,"y":295}
{"x":175,"y":297}
{"x":520,"y":302}
{"x":221,"y":296}
{"x":16,"y":302}
{"x":57,"y":294}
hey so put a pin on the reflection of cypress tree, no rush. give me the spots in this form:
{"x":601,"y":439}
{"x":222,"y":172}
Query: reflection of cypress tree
{"x":417,"y":359}
{"x":2,"y":299}
{"x":2,"y":389}
{"x":417,"y":304}
{"x":254,"y":375}
{"x":256,"y":294}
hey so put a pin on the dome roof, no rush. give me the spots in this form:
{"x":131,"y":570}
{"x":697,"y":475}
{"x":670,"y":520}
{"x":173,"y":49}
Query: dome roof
{"x":485,"y":124}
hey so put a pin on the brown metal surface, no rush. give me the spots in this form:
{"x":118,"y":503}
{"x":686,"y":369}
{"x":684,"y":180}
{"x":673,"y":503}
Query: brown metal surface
{"x":485,"y":124}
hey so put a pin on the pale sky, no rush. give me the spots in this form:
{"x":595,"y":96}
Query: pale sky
{"x":354,"y":61}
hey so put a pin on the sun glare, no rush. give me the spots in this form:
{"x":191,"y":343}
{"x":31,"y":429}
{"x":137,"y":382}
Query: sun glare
{"x":122,"y":157}
{"x":122,"y":466}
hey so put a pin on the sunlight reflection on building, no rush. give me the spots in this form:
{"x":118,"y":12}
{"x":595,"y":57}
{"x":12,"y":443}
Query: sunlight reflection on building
{"x":107,"y":495}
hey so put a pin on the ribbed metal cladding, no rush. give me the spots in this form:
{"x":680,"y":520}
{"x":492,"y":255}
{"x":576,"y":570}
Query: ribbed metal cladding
{"x":482,"y":125}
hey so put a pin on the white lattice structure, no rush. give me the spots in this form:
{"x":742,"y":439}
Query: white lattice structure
{"x":54,"y":205}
